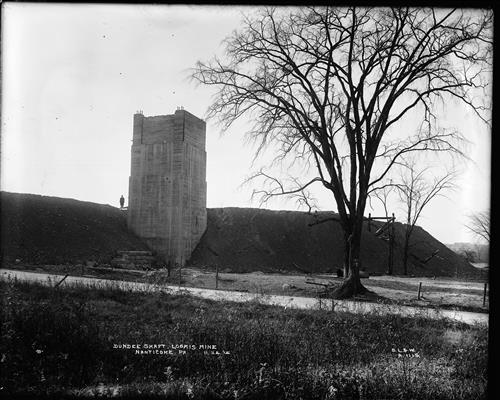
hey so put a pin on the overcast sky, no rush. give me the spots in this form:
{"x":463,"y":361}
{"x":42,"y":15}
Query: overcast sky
{"x":74,"y":75}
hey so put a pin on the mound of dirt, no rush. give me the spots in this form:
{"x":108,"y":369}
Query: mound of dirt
{"x":52,"y":230}
{"x":247,"y":239}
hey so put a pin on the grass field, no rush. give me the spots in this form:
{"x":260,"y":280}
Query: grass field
{"x":79,"y":342}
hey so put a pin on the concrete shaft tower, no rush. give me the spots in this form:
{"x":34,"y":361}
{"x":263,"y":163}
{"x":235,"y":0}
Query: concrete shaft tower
{"x":167,"y":188}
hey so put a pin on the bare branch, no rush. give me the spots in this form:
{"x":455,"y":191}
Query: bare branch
{"x":276,"y":189}
{"x":479,"y":225}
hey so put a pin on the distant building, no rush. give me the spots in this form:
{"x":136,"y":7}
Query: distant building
{"x":167,"y":187}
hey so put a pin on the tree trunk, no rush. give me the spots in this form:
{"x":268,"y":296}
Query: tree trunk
{"x":347,"y":251}
{"x":405,"y":258}
{"x":351,"y":286}
{"x":406,"y":250}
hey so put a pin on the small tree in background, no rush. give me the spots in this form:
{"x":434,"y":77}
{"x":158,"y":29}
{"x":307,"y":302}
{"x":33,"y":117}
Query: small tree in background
{"x":470,"y":255}
{"x":479,"y":225}
{"x":416,"y":191}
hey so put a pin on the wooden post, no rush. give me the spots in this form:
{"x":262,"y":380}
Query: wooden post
{"x":61,"y":281}
{"x":419,"y":289}
{"x":391,"y":245}
{"x":180,"y":275}
{"x":217,"y":276}
{"x":484,"y":294}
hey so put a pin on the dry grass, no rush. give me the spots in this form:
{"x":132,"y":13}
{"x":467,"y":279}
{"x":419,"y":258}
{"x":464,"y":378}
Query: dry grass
{"x":62,"y":341}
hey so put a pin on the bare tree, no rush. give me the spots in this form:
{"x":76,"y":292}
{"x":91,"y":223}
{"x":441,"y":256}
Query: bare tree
{"x":470,"y":255}
{"x":383,"y":195}
{"x":416,"y":191}
{"x":333,"y":86}
{"x":479,"y":225}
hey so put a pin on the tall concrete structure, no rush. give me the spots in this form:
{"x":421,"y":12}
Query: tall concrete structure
{"x":167,"y":187}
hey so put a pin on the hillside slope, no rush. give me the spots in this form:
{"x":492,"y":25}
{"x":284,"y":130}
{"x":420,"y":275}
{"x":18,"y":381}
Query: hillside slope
{"x":52,"y":230}
{"x":246,"y":239}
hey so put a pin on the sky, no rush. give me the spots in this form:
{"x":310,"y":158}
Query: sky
{"x":74,"y":75}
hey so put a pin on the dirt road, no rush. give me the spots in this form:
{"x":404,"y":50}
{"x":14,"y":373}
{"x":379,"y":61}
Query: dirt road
{"x":283,"y":301}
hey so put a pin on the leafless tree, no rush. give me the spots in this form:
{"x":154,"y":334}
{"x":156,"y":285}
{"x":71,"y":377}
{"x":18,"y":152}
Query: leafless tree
{"x":332,"y":87}
{"x":479,"y":225}
{"x":383,"y":195}
{"x":416,"y":191}
{"x":470,"y":255}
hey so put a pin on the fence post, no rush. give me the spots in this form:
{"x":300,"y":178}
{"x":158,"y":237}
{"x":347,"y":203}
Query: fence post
{"x":180,"y":275}
{"x":392,"y":238}
{"x":217,"y":276}
{"x":484,"y":294}
{"x":419,"y":288}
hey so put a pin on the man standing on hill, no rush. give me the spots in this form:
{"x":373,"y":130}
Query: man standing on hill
{"x":122,"y":201}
